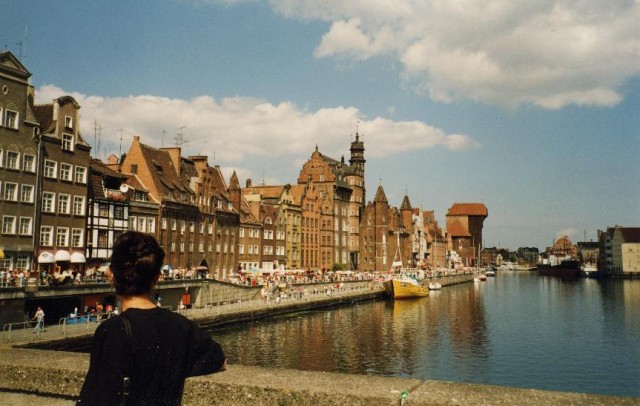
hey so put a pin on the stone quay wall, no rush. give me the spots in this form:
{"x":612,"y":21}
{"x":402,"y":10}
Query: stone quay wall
{"x":55,"y":377}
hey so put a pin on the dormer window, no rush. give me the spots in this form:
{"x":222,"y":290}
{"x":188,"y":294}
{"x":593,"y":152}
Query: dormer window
{"x":68,"y":122}
{"x":67,"y":142}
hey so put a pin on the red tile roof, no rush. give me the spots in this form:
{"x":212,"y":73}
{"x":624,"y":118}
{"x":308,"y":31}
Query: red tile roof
{"x":468,"y":209}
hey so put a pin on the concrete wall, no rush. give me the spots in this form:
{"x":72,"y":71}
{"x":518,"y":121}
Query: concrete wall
{"x":43,"y":377}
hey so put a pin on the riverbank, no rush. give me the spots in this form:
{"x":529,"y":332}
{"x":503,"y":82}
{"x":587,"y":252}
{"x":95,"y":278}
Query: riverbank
{"x":55,"y":377}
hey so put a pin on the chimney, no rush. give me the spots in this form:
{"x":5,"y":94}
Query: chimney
{"x":174,"y":154}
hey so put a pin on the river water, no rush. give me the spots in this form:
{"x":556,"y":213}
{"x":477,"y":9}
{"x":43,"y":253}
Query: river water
{"x":517,"y":329}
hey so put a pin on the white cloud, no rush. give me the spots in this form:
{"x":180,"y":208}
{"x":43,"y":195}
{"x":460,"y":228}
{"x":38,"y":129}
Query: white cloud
{"x":569,"y":232}
{"x":241,"y":130}
{"x":546,"y":53}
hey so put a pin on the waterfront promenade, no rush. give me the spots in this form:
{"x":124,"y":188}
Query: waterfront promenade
{"x":40,"y":377}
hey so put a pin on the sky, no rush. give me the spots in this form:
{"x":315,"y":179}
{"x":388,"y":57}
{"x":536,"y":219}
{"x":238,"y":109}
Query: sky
{"x":530,"y":107}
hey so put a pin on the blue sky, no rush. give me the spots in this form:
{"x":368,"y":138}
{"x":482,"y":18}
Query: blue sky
{"x":529,"y":107}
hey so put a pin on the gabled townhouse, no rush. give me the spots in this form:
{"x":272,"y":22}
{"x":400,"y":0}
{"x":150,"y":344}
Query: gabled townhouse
{"x":385,"y":239}
{"x":218,"y":214}
{"x":159,"y":171}
{"x":289,"y":215}
{"x":108,"y":213}
{"x":273,"y":245}
{"x":19,"y":148}
{"x":250,"y":232}
{"x":64,"y":158}
{"x":341,"y":189}
{"x":306,"y":197}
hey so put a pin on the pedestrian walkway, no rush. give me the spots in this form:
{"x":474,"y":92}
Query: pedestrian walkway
{"x":18,"y":334}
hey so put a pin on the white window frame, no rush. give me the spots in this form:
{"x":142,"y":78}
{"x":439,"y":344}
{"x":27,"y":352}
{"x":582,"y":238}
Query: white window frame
{"x":46,"y":231}
{"x":68,"y":141}
{"x":79,"y":202}
{"x":14,"y":196}
{"x":68,"y":122}
{"x":12,"y":224}
{"x":32,"y":167}
{"x":26,"y":189}
{"x":16,"y":121}
{"x":52,"y":207}
{"x":79,"y":234}
{"x":80,"y":174}
{"x":64,"y":199}
{"x":29,"y":225}
{"x":62,"y":237}
{"x":15,"y":162}
{"x":151,"y":225}
{"x":50,"y":169}
{"x":66,"y":172}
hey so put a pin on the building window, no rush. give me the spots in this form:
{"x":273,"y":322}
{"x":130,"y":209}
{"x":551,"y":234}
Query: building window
{"x":142,"y":224}
{"x":29,"y":163}
{"x":23,"y":262}
{"x":63,"y":203}
{"x":66,"y":172}
{"x":67,"y":142}
{"x":78,"y":205}
{"x":103,"y":210}
{"x":8,"y":224}
{"x":10,"y":191}
{"x":81,"y":174}
{"x":50,"y":169}
{"x":11,"y":119}
{"x":172,"y":247}
{"x":68,"y":122}
{"x":164,"y":224}
{"x":151,"y":225}
{"x":133,"y":223}
{"x":26,"y":195}
{"x":76,"y":237}
{"x":13,"y":160}
{"x":191,"y":227}
{"x":103,"y":238}
{"x":190,"y":247}
{"x":173,"y":224}
{"x":25,"y":226}
{"x":62,"y":237}
{"x":140,"y":197}
{"x":46,"y":236}
{"x":210,"y":229}
{"x":201,"y":228}
{"x":241,"y":249}
{"x":241,"y":232}
{"x":118,"y":212}
{"x":134,"y":169}
{"x":182,"y":247}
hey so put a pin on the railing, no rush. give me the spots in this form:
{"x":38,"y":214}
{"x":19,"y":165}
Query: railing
{"x":87,"y":324}
{"x":21,"y":330}
{"x":79,"y":324}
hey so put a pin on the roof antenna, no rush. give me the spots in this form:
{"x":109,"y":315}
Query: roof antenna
{"x":120,"y":153}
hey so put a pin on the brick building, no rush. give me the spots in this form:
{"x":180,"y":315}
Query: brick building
{"x":64,"y":164}
{"x":342,"y":193}
{"x":464,"y":229}
{"x":18,"y":165}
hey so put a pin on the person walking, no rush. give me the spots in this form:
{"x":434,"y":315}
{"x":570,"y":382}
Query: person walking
{"x":143,"y":356}
{"x":39,"y":318}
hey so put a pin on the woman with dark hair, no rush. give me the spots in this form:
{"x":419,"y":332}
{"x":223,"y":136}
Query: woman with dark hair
{"x":143,"y":356}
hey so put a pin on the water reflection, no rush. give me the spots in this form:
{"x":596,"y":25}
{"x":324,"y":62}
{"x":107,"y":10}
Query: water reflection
{"x":516,"y":329}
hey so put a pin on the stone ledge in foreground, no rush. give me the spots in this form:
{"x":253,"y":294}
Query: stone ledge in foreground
{"x":56,"y":373}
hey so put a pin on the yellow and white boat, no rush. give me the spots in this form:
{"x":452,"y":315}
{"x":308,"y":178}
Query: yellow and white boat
{"x":404,"y":287}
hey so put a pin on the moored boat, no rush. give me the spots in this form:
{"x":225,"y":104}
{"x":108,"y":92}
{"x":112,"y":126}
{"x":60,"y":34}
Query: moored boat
{"x":435,"y":286}
{"x":404,"y":287}
{"x":566,"y":269}
{"x":490,"y":273}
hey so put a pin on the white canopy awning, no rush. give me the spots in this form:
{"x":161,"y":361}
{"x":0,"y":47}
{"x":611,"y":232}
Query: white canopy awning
{"x":46,"y":258}
{"x":62,"y":255}
{"x":78,"y":258}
